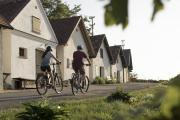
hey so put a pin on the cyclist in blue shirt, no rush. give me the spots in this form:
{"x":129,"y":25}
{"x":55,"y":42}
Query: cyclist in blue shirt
{"x":47,"y":55}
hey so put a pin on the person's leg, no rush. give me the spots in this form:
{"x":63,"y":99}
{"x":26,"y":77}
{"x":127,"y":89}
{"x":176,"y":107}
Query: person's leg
{"x":51,"y":75}
{"x":82,"y":72}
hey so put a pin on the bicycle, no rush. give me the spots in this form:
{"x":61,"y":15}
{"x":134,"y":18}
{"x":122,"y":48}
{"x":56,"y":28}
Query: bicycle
{"x":43,"y":82}
{"x":79,"y":82}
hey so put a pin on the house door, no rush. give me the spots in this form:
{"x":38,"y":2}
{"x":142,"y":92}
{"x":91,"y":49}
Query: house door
{"x":39,"y":54}
{"x":118,"y":76}
{"x":101,"y":71}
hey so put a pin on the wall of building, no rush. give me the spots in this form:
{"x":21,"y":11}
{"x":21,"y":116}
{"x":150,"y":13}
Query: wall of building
{"x":126,"y":75}
{"x":25,"y":68}
{"x":6,"y":50}
{"x":60,"y":56}
{"x":1,"y":58}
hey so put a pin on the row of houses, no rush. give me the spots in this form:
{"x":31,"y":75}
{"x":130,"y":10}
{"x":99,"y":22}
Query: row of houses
{"x":25,"y":32}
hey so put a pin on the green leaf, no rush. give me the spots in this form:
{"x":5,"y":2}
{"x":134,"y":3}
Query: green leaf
{"x":158,"y":6}
{"x":116,"y":12}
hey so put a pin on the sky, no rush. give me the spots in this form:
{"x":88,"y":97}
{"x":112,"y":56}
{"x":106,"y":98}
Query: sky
{"x":154,"y":45}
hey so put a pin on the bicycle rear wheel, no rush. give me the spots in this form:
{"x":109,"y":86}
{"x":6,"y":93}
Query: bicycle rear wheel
{"x":75,"y":86}
{"x":58,"y":84}
{"x":41,"y":84}
{"x":85,"y":85}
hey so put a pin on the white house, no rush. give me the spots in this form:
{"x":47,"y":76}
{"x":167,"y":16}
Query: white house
{"x":117,"y":63}
{"x":22,"y":46}
{"x":70,"y":33}
{"x":101,"y":62}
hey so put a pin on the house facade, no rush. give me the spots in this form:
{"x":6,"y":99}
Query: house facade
{"x":24,"y":44}
{"x":117,"y":63}
{"x":70,"y":33}
{"x":101,"y":62}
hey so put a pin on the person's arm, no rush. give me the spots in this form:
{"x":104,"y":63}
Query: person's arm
{"x":56,"y":59}
{"x":88,"y":60}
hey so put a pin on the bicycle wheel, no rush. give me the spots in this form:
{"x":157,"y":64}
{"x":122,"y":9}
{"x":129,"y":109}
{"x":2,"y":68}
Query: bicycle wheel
{"x":85,"y":85}
{"x":41,"y":84}
{"x":58,"y":84}
{"x":75,"y":84}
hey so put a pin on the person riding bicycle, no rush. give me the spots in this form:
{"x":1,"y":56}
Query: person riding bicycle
{"x":78,"y":64}
{"x":47,"y":55}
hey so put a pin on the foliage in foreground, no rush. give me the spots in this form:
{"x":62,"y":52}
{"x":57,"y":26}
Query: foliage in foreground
{"x":119,"y":95}
{"x":42,"y":111}
{"x":146,"y":106}
{"x":170,"y":107}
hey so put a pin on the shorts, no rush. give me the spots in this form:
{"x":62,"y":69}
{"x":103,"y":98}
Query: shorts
{"x":46,"y":68}
{"x":79,"y":68}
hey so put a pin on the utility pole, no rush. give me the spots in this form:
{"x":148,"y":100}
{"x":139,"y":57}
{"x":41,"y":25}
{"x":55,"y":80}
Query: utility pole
{"x":92,"y":24}
{"x":122,"y":44}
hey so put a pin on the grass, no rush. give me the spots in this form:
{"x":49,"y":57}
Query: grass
{"x":143,"y":107}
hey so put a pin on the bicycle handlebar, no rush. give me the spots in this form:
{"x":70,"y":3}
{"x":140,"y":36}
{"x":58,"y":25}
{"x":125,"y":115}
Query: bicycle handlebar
{"x":87,"y":64}
{"x":55,"y":63}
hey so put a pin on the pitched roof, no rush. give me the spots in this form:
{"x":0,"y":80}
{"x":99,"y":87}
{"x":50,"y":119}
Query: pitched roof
{"x":97,"y":40}
{"x":9,"y":9}
{"x":64,"y":28}
{"x":115,"y":51}
{"x":128,"y":58}
{"x":4,"y":23}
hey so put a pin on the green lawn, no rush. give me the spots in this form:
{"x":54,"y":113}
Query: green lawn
{"x":144,"y":105}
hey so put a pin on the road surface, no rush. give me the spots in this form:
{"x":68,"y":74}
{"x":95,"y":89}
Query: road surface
{"x":15,"y":98}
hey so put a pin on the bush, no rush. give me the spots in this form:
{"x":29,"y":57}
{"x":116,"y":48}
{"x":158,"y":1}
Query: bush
{"x":170,"y":107}
{"x":99,"y":80}
{"x":119,"y":95}
{"x":42,"y":111}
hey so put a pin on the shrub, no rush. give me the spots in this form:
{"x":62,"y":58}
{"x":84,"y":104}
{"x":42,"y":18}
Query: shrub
{"x":110,"y":81}
{"x":99,"y":80}
{"x":119,"y":95}
{"x":42,"y":111}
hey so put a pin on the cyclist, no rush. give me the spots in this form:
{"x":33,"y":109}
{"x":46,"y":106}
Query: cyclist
{"x":45,"y":67}
{"x":78,"y":64}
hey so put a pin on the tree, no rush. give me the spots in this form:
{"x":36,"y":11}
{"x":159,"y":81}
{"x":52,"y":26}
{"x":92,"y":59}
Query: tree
{"x":56,"y":9}
{"x":116,"y":12}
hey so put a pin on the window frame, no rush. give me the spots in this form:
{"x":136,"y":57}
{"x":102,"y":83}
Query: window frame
{"x":22,"y":52}
{"x":34,"y":29}
{"x":101,"y":53}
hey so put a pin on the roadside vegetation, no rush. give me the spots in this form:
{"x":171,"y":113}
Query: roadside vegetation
{"x":156,"y":103}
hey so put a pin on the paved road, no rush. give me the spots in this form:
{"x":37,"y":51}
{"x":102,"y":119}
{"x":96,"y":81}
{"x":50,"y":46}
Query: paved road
{"x":15,"y":98}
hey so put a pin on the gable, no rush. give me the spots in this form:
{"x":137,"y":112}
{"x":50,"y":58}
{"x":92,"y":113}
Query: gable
{"x":24,"y":21}
{"x":66,"y":27}
{"x":105,"y":52}
{"x":97,"y":42}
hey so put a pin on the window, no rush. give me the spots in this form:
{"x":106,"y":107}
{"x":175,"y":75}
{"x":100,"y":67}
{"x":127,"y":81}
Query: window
{"x":101,"y":53}
{"x":36,"y":24}
{"x":68,"y":63}
{"x":23,"y":52}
